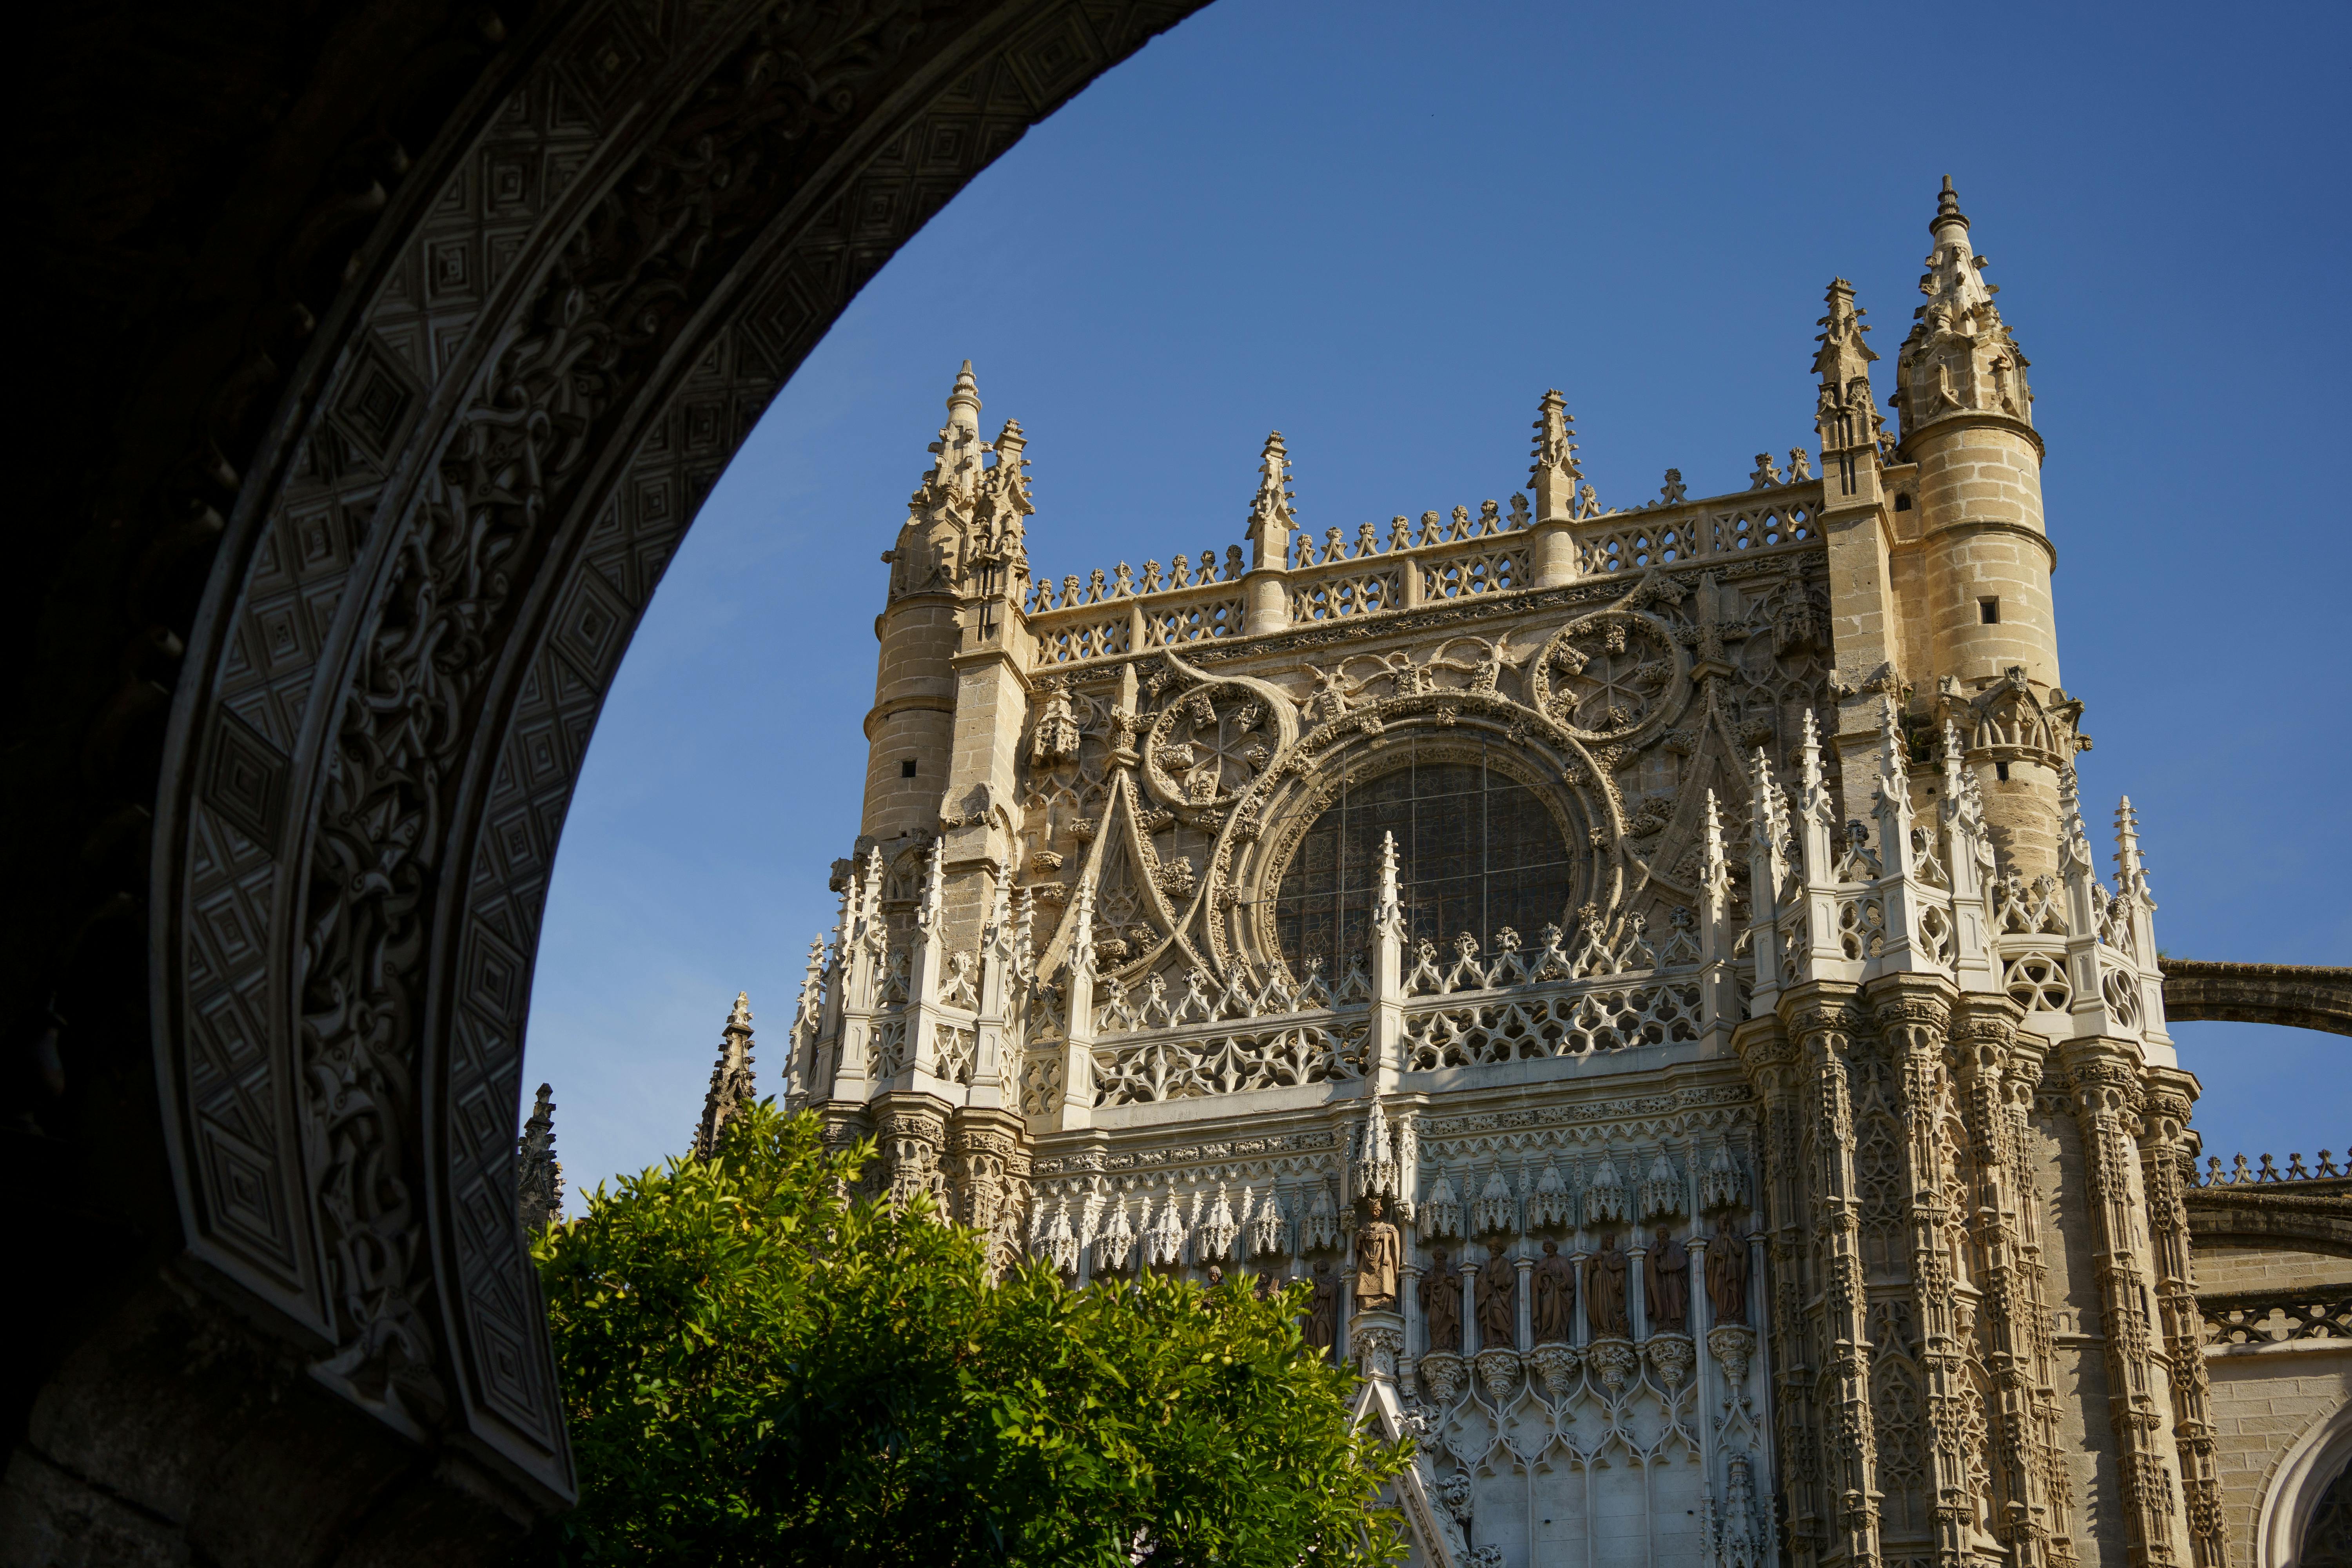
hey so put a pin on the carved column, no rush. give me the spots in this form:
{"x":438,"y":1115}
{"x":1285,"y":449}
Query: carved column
{"x":1771,"y":1059}
{"x":1077,"y":1107}
{"x":1385,"y":1049}
{"x":2022,"y":1089}
{"x":1980,"y":1040}
{"x":2106,"y":1096}
{"x":1825,"y":1027}
{"x":912,"y":1132}
{"x":2164,"y":1118}
{"x":988,"y":1177}
{"x":1912,"y":1024}
{"x":870,"y":955}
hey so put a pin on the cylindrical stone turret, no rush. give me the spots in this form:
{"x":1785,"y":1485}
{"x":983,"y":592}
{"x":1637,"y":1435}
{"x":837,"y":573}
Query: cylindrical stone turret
{"x":1968,"y":424}
{"x":911,"y":730}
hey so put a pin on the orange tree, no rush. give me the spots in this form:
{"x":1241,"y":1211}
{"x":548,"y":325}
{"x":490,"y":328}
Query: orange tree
{"x":759,"y":1370}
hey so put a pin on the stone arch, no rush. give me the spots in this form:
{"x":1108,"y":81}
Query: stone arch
{"x":2301,"y":996}
{"x":2313,"y":1464}
{"x":468,"y":330}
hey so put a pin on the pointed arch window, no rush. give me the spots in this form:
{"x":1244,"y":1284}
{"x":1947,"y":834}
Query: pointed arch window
{"x":1476,"y":851}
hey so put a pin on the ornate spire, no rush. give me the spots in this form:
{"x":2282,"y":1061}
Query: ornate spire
{"x":1717,"y":873}
{"x":928,"y":913}
{"x":1894,"y":772}
{"x":869,"y":904}
{"x":1846,"y":419}
{"x":1388,"y":907}
{"x":1814,"y":801}
{"x":1271,"y":518}
{"x":1948,"y":210}
{"x":1959,"y":356}
{"x":539,"y":1174}
{"x":1767,"y":824}
{"x":926,"y":557}
{"x":1001,"y":503}
{"x":2131,"y":870}
{"x":1024,"y":939}
{"x":731,"y":1080}
{"x":1082,"y":926}
{"x":2075,"y":852}
{"x":1554,"y":471}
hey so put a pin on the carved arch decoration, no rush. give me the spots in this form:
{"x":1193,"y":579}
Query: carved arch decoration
{"x":571,"y":307}
{"x":2308,"y":1476}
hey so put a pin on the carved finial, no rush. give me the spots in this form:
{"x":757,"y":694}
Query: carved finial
{"x":1716,"y":863}
{"x":1844,"y":353}
{"x":730,"y":1080}
{"x":1948,"y":209}
{"x":1004,"y":493}
{"x":869,"y":901}
{"x":1764,"y":801}
{"x":1893,"y":760}
{"x":2131,"y":871}
{"x":1024,"y":935}
{"x":934,"y":903}
{"x":1388,"y":907}
{"x":2075,"y":853}
{"x":1553,"y":473}
{"x":965,"y":393}
{"x":1082,"y":923}
{"x":1814,"y":784}
{"x":539,"y":1174}
{"x":1000,"y":933}
{"x":1271,"y":518}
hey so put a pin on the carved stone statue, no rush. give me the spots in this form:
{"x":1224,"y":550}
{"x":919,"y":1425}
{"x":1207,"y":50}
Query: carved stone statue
{"x":1376,"y":1257}
{"x":1605,"y":1301}
{"x":1666,"y":1284}
{"x":1323,"y":1309}
{"x":1726,"y":1274}
{"x":1555,"y":1302}
{"x":1499,"y":1300}
{"x":1440,"y":1305}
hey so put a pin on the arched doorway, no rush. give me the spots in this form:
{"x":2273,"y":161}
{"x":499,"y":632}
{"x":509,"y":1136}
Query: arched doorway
{"x":409,"y":340}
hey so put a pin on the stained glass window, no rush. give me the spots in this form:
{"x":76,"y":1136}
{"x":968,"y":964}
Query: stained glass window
{"x":1476,"y":851}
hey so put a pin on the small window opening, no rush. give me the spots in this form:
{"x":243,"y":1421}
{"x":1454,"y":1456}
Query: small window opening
{"x":907,"y":769}
{"x":1988,"y":611}
{"x":1999,"y":771}
{"x":1903,"y":503}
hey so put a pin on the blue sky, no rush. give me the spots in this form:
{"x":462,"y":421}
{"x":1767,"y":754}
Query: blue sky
{"x":1384,"y":230}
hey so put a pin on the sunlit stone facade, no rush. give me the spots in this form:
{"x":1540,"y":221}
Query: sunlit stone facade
{"x":1681,"y":918}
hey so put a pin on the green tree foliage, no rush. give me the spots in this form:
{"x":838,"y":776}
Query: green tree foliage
{"x":758,"y":1370}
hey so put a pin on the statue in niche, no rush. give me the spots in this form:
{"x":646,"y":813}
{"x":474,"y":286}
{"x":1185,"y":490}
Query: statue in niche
{"x":1499,"y":1300}
{"x":1440,"y":1305}
{"x":1555,"y":1293}
{"x":1726,"y":1274}
{"x":1323,"y":1309}
{"x":1376,"y":1257}
{"x":1262,"y":1287}
{"x":1666,"y":1285}
{"x":1604,"y":1300}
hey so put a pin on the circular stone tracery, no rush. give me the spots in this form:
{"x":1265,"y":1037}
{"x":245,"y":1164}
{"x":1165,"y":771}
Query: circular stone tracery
{"x":1610,"y":676}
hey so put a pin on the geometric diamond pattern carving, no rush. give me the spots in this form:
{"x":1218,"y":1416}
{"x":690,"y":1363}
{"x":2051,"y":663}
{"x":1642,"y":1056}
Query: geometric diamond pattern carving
{"x":575,"y":310}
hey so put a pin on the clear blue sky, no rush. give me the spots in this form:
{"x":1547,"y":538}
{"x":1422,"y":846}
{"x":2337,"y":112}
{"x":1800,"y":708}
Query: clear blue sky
{"x":1385,"y":229}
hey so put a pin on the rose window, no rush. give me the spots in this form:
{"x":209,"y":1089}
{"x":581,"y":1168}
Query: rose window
{"x":1476,"y":852}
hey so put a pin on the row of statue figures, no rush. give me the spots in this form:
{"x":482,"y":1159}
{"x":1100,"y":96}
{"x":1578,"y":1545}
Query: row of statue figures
{"x":1489,"y":1292}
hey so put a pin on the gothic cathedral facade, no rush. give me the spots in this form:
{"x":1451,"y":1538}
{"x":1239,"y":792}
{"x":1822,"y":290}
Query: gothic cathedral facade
{"x":1681,"y":921}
